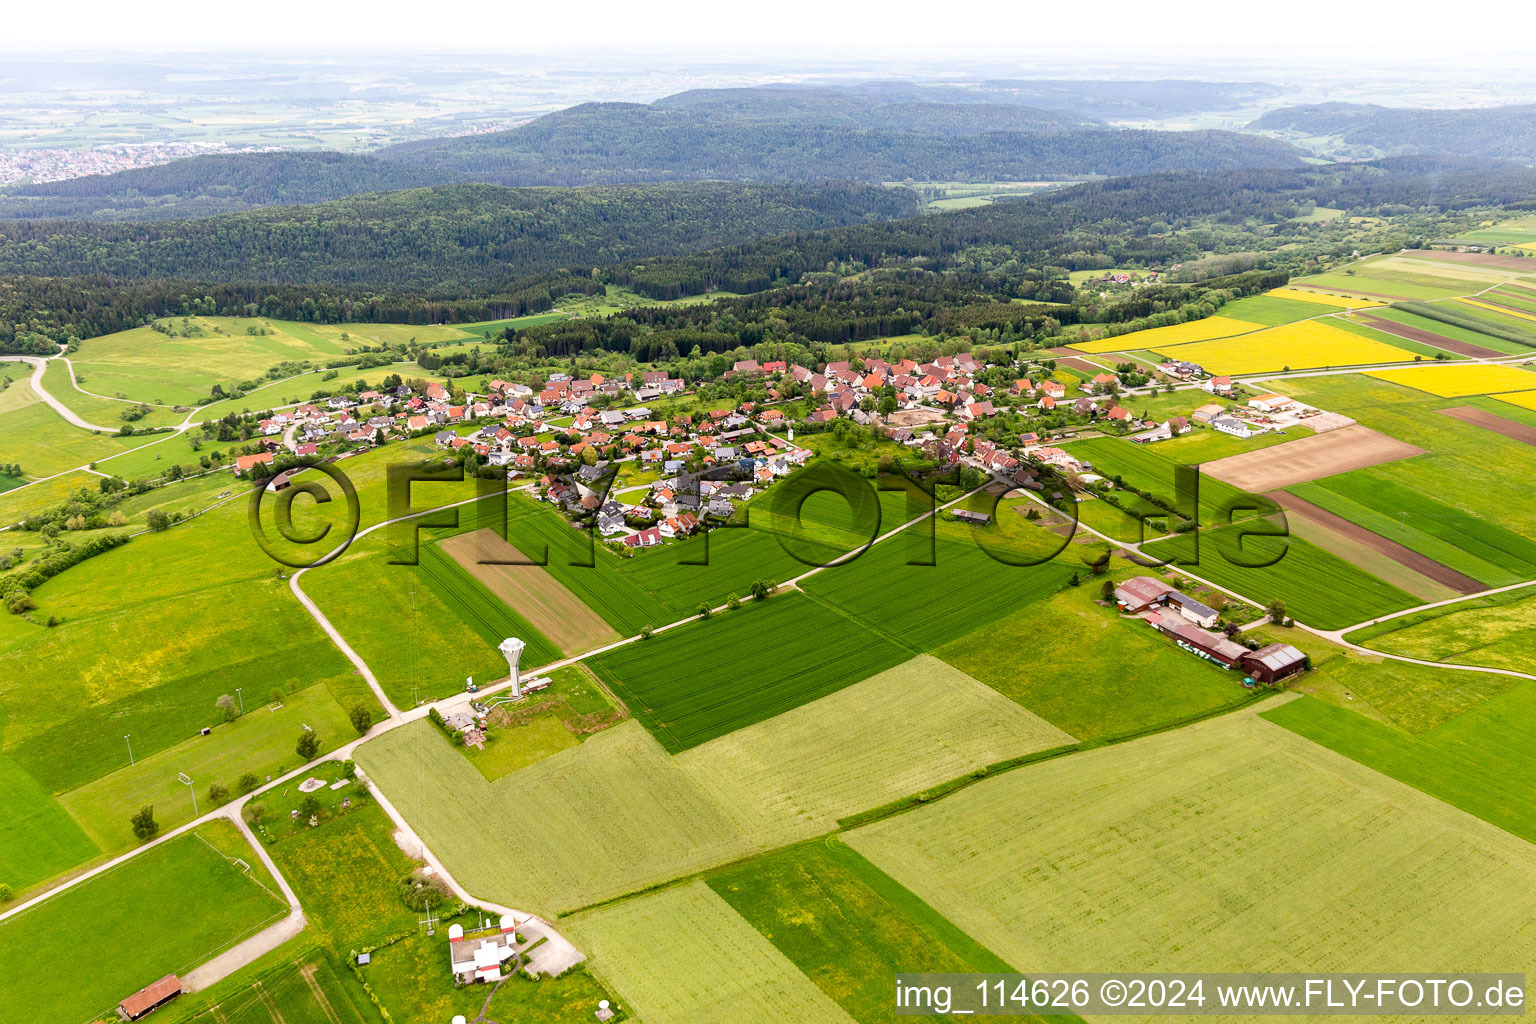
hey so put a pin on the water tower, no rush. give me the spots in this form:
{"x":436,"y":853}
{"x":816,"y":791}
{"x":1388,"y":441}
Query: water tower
{"x":512,"y":649}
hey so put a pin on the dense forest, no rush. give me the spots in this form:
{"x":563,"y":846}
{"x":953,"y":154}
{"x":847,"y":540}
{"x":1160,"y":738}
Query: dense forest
{"x":451,"y":239}
{"x":996,"y":262}
{"x":1508,"y":132}
{"x":872,"y":133}
{"x":597,"y":143}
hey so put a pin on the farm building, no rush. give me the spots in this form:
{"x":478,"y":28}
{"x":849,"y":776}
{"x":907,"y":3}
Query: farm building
{"x":1140,"y":593}
{"x":1274,"y":663}
{"x":1232,"y":425}
{"x":478,"y":956}
{"x":1143,"y":593}
{"x":974,"y":518}
{"x":1192,"y":638}
{"x":150,"y":998}
{"x":1206,"y":413}
{"x":1270,"y":403}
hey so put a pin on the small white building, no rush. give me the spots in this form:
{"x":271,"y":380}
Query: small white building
{"x":1232,"y":425}
{"x":478,"y":956}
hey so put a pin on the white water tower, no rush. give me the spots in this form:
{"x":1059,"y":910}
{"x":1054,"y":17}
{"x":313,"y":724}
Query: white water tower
{"x":512,"y":649}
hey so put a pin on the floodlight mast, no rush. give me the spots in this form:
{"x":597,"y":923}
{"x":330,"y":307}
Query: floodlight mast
{"x":182,"y":778}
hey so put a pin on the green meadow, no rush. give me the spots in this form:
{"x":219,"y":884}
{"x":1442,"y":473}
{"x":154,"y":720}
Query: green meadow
{"x":201,"y":902}
{"x":1087,"y":671}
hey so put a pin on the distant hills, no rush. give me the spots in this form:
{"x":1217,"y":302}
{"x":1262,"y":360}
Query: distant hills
{"x":868,"y":132}
{"x":1504,"y":132}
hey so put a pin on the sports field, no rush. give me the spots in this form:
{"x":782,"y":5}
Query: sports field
{"x":906,"y":729}
{"x":1177,"y":334}
{"x":708,"y":678}
{"x":1322,"y":298}
{"x":718,"y":968}
{"x":202,"y":904}
{"x":1458,"y":381}
{"x":1300,"y":346}
{"x":1160,"y":855}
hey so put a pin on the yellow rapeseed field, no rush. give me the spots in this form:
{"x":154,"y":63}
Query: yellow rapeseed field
{"x":1178,"y":334}
{"x":1300,"y":346}
{"x":1524,"y":399}
{"x":1465,"y":379}
{"x":1346,"y":302}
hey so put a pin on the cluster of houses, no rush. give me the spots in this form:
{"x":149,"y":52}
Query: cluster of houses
{"x":1188,"y":623}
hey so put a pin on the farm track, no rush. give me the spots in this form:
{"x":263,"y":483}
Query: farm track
{"x":1402,"y":555}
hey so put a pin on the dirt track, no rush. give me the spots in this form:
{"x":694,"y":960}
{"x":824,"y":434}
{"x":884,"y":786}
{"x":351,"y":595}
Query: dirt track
{"x":1430,"y":338}
{"x":1309,"y":458}
{"x":1406,"y":557}
{"x":531,"y":591}
{"x":1488,"y":421}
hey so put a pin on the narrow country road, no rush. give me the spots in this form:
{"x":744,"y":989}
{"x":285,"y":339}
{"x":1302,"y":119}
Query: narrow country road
{"x":39,"y":366}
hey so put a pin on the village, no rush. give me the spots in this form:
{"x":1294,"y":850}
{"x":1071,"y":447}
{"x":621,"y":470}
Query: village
{"x":618,"y":456}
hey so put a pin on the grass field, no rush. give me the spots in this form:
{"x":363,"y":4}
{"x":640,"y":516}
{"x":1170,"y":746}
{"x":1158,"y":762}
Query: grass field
{"x":202,"y":905}
{"x":1161,"y":855}
{"x":617,"y":814}
{"x":1464,"y":542}
{"x":146,"y":365}
{"x":1495,"y":635}
{"x":1271,"y":311}
{"x":717,"y":969}
{"x":153,"y":669}
{"x":1296,"y":346}
{"x":610,"y":816}
{"x":345,"y":873}
{"x":1476,"y":472}
{"x":1084,"y":670}
{"x":38,"y":838}
{"x":1195,"y":330}
{"x":1322,"y":298}
{"x":43,"y":443}
{"x":708,"y":678}
{"x":1458,"y":381}
{"x":1480,"y":760}
{"x":898,"y":733}
{"x":847,"y":925}
{"x":308,"y":989}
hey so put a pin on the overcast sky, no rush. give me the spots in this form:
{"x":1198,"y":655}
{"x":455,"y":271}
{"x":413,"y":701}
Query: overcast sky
{"x":1367,"y":30}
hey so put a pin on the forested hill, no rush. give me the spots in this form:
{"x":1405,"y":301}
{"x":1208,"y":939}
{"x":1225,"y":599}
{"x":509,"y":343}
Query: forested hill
{"x":446,"y":239}
{"x":871,"y":133}
{"x":204,"y":185}
{"x":1508,"y":132}
{"x":597,"y":143}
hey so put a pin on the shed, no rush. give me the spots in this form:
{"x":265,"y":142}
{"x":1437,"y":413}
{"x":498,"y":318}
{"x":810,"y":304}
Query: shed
{"x":1274,"y":663}
{"x":149,"y":998}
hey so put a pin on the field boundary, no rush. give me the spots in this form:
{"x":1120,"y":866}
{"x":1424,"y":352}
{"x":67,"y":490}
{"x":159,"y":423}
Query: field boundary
{"x":1399,"y":553}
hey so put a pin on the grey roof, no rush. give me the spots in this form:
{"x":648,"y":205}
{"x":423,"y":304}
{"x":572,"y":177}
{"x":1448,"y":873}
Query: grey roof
{"x":1276,"y":656}
{"x":1190,"y":604}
